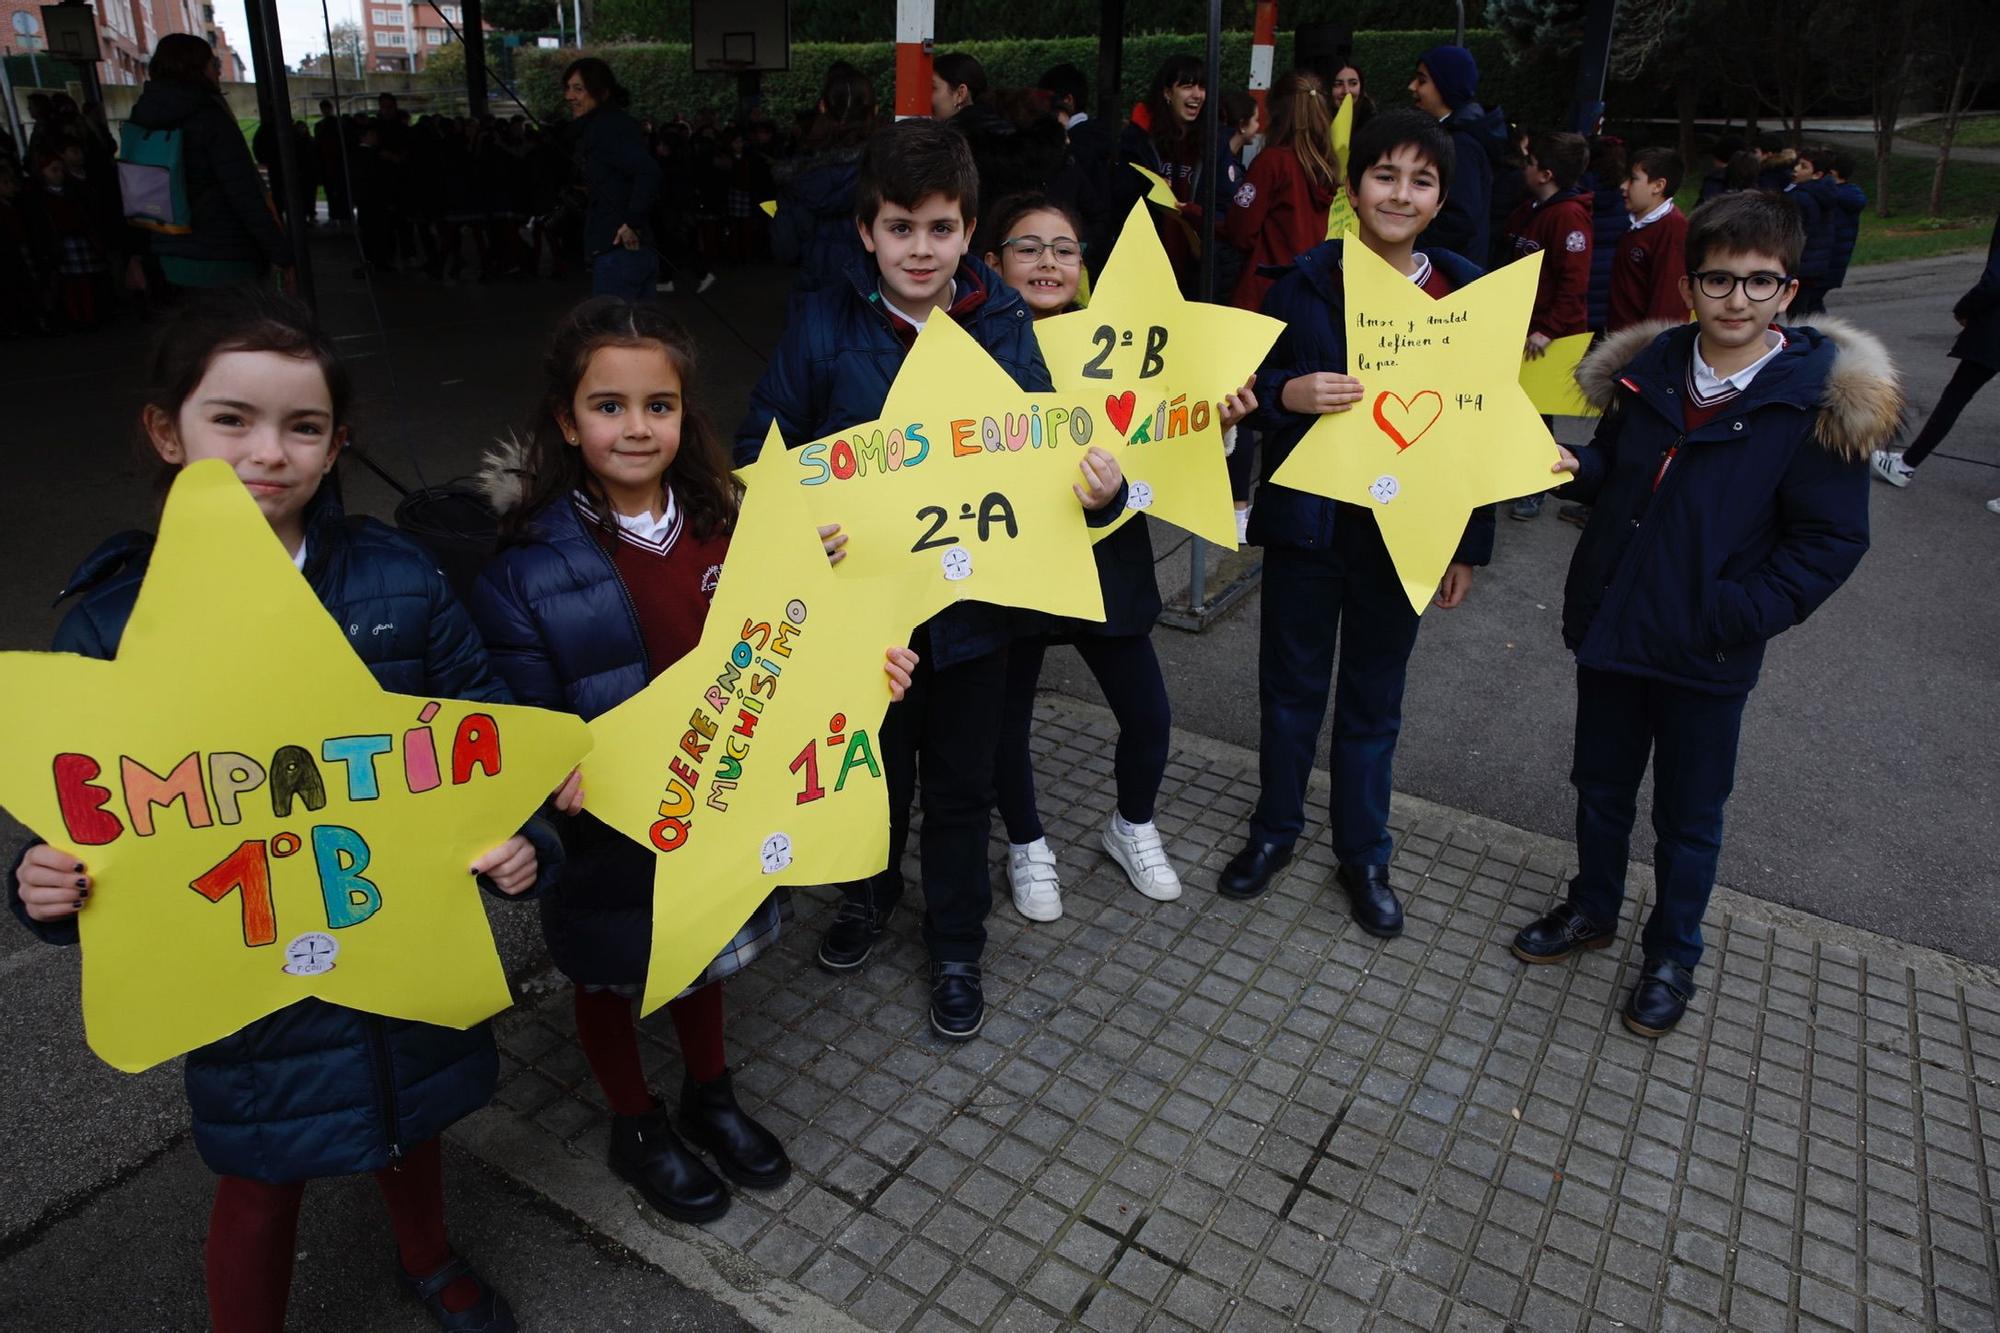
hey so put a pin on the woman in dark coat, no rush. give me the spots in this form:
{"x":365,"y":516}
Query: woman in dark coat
{"x":234,"y":235}
{"x":621,"y":179}
{"x":1978,"y":352}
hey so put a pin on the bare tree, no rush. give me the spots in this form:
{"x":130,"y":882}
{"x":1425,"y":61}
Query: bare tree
{"x":1961,"y":53}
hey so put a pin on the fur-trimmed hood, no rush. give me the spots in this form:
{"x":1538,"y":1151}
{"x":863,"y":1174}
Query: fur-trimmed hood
{"x":504,"y":474}
{"x":1860,"y":401}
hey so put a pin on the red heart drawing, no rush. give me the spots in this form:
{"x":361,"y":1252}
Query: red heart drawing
{"x":1407,"y":415}
{"x":1118,"y":407}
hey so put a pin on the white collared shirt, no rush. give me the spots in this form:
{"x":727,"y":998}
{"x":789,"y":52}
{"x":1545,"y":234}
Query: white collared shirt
{"x":1420,"y":277}
{"x":649,"y":530}
{"x":914,"y":321}
{"x":1652,"y":217}
{"x":1708,"y":386}
{"x":299,"y":558}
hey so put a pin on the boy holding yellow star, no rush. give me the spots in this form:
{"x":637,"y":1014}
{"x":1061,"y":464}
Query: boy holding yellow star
{"x":1327,"y":573}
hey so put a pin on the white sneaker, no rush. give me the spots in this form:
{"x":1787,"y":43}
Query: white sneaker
{"x":1888,"y":466}
{"x":1242,"y":525}
{"x":666,"y":287}
{"x":704,"y":284}
{"x":1031,"y":873}
{"x":1994,"y":504}
{"x":1142,"y":858}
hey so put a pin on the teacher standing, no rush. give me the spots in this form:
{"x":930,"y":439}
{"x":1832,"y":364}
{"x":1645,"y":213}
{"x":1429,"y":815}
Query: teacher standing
{"x":621,"y":179}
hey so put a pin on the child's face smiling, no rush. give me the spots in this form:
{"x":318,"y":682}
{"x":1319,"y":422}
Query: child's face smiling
{"x":918,"y":249}
{"x":626,"y":418}
{"x":1734,"y":322}
{"x":1046,"y":282}
{"x":1186,"y":101}
{"x":270,"y":417}
{"x":1398,"y":196}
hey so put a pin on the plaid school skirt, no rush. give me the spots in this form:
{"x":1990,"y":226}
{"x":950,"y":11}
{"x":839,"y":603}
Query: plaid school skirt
{"x":757,"y":934}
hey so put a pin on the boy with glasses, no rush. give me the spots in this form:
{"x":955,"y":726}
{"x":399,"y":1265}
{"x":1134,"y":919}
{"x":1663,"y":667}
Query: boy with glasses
{"x":1729,"y":477}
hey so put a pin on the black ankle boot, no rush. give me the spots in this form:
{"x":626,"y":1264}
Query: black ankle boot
{"x":1376,"y":909}
{"x":748,"y":1153}
{"x":647,"y":1153}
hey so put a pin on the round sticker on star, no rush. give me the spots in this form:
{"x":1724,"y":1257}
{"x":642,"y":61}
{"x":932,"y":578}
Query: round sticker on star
{"x":1384,"y":489}
{"x":1139,"y":495}
{"x":775,"y":854}
{"x":311,"y":954}
{"x":957,"y":563}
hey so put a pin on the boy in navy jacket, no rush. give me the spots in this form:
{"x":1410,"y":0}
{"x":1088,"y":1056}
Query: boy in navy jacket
{"x":1326,"y":571}
{"x":1849,"y":202}
{"x":914,"y":194}
{"x":1819,"y":210}
{"x":1729,"y":476}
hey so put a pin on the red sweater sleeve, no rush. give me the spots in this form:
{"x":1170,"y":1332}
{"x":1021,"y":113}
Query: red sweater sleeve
{"x":1562,"y":295}
{"x":1669,"y":263}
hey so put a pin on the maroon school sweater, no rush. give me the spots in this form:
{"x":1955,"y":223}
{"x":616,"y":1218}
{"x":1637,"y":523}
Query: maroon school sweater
{"x":1646,"y":272}
{"x":671,"y":580}
{"x":1559,"y":227}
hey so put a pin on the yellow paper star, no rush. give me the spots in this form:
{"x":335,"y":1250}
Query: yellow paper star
{"x":754,"y":761}
{"x":1160,"y":364}
{"x":262,"y":821}
{"x":1340,"y":217}
{"x":1443,"y":426}
{"x":964,"y":474}
{"x":1550,"y":379}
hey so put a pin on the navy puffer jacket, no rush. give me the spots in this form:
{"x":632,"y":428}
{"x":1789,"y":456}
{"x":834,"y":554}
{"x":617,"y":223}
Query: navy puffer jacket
{"x":833,"y":369}
{"x":564,"y":635}
{"x":1463,"y":225}
{"x":621,"y":179}
{"x":814,"y":226}
{"x":1817,"y":207}
{"x":1760,"y":516}
{"x":318,"y":1089}
{"x":1849,"y":202}
{"x":1310,"y":299}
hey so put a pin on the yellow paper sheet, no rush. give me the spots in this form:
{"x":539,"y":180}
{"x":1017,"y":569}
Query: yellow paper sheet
{"x":1550,"y":379}
{"x":1156,"y":366}
{"x":1443,"y":426}
{"x":755,"y":761}
{"x":965,"y":475}
{"x":261,"y":821}
{"x":770,"y":207}
{"x":1340,"y":217}
{"x":1157,"y":189}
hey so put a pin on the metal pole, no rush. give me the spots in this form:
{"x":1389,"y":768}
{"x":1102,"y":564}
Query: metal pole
{"x":267,"y":46}
{"x":1110,"y":60}
{"x":915,"y":20}
{"x":578,"y":26}
{"x":1592,"y":59}
{"x":1211,"y":204}
{"x":473,"y":33}
{"x":13,"y":112}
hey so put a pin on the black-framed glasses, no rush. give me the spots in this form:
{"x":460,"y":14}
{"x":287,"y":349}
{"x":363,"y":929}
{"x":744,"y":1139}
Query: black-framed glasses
{"x":1719,"y":284}
{"x":1030,"y":248}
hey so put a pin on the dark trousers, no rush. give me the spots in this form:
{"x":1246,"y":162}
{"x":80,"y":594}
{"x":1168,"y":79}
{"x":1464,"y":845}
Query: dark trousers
{"x":1309,"y":597}
{"x":627,"y":273}
{"x":947,"y":728}
{"x":1691,"y":737}
{"x":1967,"y":380}
{"x":1128,"y":672}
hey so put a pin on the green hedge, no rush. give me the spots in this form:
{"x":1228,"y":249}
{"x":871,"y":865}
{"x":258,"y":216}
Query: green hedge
{"x":662,"y":80}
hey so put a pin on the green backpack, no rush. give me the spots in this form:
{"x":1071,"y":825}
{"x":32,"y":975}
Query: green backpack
{"x":152,"y":175}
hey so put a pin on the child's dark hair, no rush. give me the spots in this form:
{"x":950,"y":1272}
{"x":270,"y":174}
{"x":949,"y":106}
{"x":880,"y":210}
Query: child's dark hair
{"x":1660,"y":164}
{"x":1563,"y":155}
{"x":1174,"y":72}
{"x":1066,"y":84}
{"x":1816,"y":153}
{"x":239,"y":319}
{"x":1741,"y":173}
{"x":702,"y":484}
{"x":1385,"y":133}
{"x":1746,"y":222}
{"x":956,"y":67}
{"x":1008,"y":213}
{"x":1842,"y":165}
{"x":598,"y":81}
{"x":1237,"y":107}
{"x":911,"y":160}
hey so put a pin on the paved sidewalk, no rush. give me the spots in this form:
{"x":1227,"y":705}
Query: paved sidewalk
{"x":1208,"y":1114}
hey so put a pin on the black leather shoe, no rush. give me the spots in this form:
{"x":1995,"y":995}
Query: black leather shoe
{"x":958,"y":1004}
{"x":489,"y":1314}
{"x":647,"y":1153}
{"x":748,"y":1153}
{"x":851,"y":938}
{"x":1560,"y":932}
{"x":1251,"y":870}
{"x":1660,"y":998}
{"x":1376,"y":909}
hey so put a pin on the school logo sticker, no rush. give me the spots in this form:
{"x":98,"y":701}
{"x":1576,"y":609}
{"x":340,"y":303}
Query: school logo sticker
{"x":1576,"y":242}
{"x":1246,"y":195}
